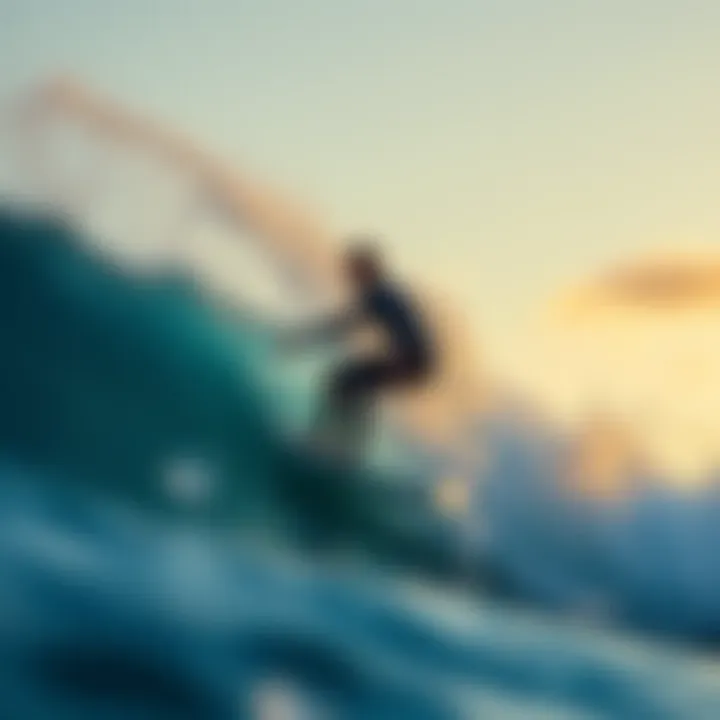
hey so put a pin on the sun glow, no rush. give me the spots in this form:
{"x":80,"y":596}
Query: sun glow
{"x":642,"y":344}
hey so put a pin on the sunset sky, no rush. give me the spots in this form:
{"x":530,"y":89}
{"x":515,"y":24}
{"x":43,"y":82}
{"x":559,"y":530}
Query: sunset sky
{"x":505,"y":150}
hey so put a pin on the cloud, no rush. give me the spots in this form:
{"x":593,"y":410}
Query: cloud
{"x":653,"y":285}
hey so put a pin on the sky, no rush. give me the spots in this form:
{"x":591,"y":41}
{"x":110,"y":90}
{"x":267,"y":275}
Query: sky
{"x":503,"y":149}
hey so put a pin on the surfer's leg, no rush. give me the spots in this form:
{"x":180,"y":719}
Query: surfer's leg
{"x":345,"y":420}
{"x":351,"y":398}
{"x":333,"y":412}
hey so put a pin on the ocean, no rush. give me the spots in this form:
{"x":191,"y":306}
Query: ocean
{"x":166,"y":554}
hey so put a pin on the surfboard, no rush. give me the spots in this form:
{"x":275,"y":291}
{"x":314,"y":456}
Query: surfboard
{"x":310,"y":450}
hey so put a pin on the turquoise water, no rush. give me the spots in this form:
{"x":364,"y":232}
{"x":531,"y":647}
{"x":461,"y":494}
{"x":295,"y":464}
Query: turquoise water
{"x":113,"y":379}
{"x":109,"y":615}
{"x":157,"y":537}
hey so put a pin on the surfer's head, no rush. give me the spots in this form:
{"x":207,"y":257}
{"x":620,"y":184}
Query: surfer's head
{"x":363,"y":262}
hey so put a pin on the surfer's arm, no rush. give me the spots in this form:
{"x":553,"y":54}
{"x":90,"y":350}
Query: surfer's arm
{"x":332,"y":328}
{"x":328,"y":330}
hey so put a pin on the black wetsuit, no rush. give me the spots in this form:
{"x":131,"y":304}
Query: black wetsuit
{"x":410,"y":358}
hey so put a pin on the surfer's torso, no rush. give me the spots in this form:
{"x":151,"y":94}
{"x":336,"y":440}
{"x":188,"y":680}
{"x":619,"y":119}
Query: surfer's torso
{"x":394,"y":312}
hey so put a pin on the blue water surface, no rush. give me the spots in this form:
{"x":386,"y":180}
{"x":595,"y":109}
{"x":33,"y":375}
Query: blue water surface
{"x":165,"y":553}
{"x":107,"y":615}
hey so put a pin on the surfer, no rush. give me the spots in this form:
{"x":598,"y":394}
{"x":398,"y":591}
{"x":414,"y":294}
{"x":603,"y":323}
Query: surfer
{"x":407,"y":360}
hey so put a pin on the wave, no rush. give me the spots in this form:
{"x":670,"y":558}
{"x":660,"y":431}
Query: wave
{"x":127,"y":383}
{"x":107,"y":613}
{"x":138,"y":388}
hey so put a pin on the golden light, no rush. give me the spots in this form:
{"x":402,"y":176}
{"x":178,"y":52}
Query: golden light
{"x":642,"y":343}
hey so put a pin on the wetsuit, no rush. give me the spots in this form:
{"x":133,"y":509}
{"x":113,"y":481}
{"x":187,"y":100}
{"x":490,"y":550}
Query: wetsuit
{"x":409,"y":359}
